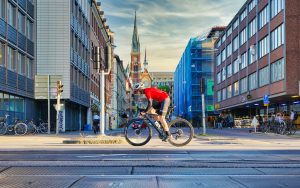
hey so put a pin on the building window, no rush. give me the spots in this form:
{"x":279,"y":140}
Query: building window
{"x":253,"y":81}
{"x":2,"y":9}
{"x":235,"y":45}
{"x":277,"y":70}
{"x":263,"y":47}
{"x":224,"y":94}
{"x":21,"y":23}
{"x":243,"y":15}
{"x":21,"y":64}
{"x":29,"y":30}
{"x":29,"y":68}
{"x":218,"y":60}
{"x":252,"y":28}
{"x":236,"y":90}
{"x":235,"y":23}
{"x":235,"y":66}
{"x":11,"y":58}
{"x":11,"y":12}
{"x":223,"y":38}
{"x":229,"y":92}
{"x":243,"y":61}
{"x":263,"y":76}
{"x":229,"y":31}
{"x":263,"y":17}
{"x":219,"y":96}
{"x":243,"y":36}
{"x":219,"y":77}
{"x":251,"y":57}
{"x":219,"y":44}
{"x":229,"y":70}
{"x":229,"y":49}
{"x":223,"y":74}
{"x":223,"y":55}
{"x":244,"y":85}
{"x":2,"y":52}
{"x":251,"y":5}
{"x":277,"y":37}
{"x":276,"y":7}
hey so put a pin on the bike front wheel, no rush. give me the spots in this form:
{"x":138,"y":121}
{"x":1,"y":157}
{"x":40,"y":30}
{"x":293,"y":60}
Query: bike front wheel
{"x":137,"y":132}
{"x":3,"y":128}
{"x":182,"y":132}
{"x":20,"y":129}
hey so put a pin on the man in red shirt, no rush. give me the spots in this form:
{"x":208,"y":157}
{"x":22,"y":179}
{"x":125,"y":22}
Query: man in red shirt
{"x":157,"y":99}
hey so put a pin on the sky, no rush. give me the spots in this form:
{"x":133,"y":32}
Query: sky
{"x":164,"y":26}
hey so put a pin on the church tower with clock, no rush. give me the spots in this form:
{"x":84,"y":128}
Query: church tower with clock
{"x":135,"y":65}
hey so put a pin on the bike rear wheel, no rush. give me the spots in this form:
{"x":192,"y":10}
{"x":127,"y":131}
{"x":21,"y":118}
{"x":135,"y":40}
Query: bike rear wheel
{"x":137,"y":132}
{"x":181,"y":131}
{"x":20,"y":129}
{"x":3,"y":128}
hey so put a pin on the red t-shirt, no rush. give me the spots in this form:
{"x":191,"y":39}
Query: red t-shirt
{"x":155,"y":94}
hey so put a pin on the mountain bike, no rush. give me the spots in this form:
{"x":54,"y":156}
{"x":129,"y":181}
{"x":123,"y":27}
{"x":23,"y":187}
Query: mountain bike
{"x":138,"y":131}
{"x":18,"y":127}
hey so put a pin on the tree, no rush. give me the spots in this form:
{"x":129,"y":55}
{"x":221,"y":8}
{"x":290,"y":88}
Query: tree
{"x":165,"y":88}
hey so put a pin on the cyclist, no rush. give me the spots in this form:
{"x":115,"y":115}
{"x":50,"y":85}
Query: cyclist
{"x":157,"y":99}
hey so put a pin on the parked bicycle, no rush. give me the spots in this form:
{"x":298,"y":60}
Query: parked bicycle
{"x":40,"y":127}
{"x":138,"y":131}
{"x":282,"y":127}
{"x":17,"y":127}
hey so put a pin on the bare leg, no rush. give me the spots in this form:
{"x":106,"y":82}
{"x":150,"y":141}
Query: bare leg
{"x":163,"y":122}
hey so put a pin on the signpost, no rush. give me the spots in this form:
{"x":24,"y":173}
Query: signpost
{"x":266,"y":103}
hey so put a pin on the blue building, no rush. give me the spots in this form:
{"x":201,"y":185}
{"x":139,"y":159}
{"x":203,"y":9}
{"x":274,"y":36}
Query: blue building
{"x":17,"y":58}
{"x":196,"y":62}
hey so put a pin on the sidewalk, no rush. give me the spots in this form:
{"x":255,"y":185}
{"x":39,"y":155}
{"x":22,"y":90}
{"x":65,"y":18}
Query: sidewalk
{"x":225,"y":139}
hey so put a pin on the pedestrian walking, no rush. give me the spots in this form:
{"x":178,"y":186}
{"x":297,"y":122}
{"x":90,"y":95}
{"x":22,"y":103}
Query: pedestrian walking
{"x":96,"y":121}
{"x":254,"y":123}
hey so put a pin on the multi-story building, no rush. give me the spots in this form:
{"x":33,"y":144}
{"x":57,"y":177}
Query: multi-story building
{"x":100,"y":37}
{"x":196,"y":62}
{"x":164,"y":79}
{"x":63,"y":49}
{"x":259,"y":55}
{"x":118,"y":102}
{"x":17,"y":58}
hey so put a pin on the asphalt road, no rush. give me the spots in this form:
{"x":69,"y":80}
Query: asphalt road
{"x":150,"y":168}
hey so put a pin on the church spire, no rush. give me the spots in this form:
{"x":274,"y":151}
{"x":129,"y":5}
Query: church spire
{"x":145,"y":60}
{"x":135,"y":45}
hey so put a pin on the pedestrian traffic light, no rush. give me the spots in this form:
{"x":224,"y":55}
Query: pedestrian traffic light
{"x":202,"y":85}
{"x":59,"y":88}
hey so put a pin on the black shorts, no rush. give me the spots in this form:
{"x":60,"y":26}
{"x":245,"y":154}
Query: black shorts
{"x":161,"y":107}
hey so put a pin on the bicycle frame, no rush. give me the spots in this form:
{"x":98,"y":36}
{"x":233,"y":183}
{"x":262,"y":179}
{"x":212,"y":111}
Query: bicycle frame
{"x":152,"y":123}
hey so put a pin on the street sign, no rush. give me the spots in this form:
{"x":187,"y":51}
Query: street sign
{"x":266,"y":99}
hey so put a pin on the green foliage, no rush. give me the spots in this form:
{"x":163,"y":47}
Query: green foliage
{"x":164,"y":88}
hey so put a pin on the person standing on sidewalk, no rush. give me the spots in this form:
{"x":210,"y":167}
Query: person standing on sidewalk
{"x":96,"y":121}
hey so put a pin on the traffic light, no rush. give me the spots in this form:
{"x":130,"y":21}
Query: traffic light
{"x":59,"y":88}
{"x":202,"y":85}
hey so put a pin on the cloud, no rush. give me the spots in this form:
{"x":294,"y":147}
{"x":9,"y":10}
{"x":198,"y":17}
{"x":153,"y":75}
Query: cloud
{"x":164,"y":26}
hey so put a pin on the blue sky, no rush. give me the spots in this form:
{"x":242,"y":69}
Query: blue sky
{"x":164,"y":26}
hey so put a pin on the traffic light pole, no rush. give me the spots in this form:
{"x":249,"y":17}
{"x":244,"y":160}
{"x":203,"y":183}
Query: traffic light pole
{"x":102,"y":99}
{"x":203,"y":114}
{"x":57,"y":112}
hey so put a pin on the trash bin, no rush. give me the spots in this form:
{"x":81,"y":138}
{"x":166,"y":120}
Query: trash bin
{"x":87,"y":127}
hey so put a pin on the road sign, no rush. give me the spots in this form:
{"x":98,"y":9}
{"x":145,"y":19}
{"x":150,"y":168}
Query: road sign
{"x":266,"y":99}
